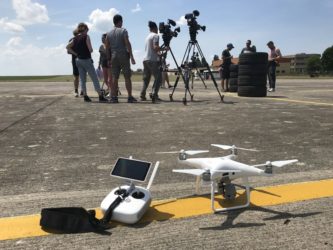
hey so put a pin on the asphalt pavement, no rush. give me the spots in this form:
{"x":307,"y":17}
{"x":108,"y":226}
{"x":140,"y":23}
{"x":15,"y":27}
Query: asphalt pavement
{"x":57,"y":150}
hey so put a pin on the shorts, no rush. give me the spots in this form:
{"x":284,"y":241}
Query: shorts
{"x":225,"y":72}
{"x":75,"y":69}
{"x":120,"y":61}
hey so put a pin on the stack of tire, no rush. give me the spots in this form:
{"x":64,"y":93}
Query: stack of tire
{"x":233,"y":80}
{"x":252,"y":74}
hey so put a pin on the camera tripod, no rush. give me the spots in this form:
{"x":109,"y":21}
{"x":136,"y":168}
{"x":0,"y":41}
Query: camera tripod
{"x":185,"y":75}
{"x":193,"y":65}
{"x":191,"y":46}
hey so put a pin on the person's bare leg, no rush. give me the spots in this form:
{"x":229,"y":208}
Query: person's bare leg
{"x":128,"y":84}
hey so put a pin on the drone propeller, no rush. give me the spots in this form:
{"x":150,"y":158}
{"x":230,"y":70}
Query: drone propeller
{"x":188,"y":152}
{"x":277,"y":164}
{"x":227,"y":147}
{"x":280,"y":164}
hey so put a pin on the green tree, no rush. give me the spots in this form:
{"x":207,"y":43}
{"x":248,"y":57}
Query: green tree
{"x":313,"y":65}
{"x":327,"y":59}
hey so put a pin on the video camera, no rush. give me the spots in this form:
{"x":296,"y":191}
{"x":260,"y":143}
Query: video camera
{"x":193,"y":24}
{"x":167,"y":32}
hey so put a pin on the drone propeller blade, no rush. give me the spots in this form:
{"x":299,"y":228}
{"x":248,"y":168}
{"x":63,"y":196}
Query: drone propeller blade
{"x":194,"y":152}
{"x":188,"y":152}
{"x":196,"y":172}
{"x":280,"y":164}
{"x":226,"y":147}
{"x":168,"y":152}
{"x":248,"y":149}
{"x":277,"y":164}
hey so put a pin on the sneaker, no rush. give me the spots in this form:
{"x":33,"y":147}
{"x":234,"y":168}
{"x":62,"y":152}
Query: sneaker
{"x":143,"y":98}
{"x":114,"y":99}
{"x":131,"y":99}
{"x":271,"y":90}
{"x":156,"y":99}
{"x":170,"y":86}
{"x":102,"y":99}
{"x":76,"y":94}
{"x":81,"y":93}
{"x":86,"y":98}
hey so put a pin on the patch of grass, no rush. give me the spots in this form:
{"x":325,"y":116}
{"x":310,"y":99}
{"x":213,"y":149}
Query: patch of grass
{"x":136,"y":77}
{"x":36,"y":78}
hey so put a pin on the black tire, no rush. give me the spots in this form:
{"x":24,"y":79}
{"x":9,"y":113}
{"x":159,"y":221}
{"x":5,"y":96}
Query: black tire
{"x":233,"y":88}
{"x":233,"y":74}
{"x":233,"y":82}
{"x":233,"y":68}
{"x":252,"y":80}
{"x":252,"y":69}
{"x":233,"y":85}
{"x":253,"y":58}
{"x":252,"y":91}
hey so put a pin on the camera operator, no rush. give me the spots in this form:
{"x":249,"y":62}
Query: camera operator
{"x":151,"y":63}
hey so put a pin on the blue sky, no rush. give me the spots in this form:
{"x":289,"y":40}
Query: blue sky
{"x":34,"y":33}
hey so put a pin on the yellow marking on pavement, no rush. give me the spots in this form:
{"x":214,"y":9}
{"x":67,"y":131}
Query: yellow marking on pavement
{"x":285,"y":100}
{"x":300,"y":101}
{"x":28,"y":226}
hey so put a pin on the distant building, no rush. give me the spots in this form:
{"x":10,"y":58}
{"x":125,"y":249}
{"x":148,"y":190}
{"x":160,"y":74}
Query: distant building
{"x":298,"y":63}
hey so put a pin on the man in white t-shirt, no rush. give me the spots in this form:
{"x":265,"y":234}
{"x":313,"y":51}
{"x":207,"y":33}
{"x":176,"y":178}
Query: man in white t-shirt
{"x":151,"y":63}
{"x":273,"y":60}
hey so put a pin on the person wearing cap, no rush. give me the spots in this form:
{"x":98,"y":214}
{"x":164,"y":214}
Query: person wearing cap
{"x":226,"y":62}
{"x":248,"y":48}
{"x":151,"y":63}
{"x":273,"y":60}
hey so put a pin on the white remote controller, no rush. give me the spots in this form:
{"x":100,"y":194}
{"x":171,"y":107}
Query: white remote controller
{"x":132,"y":208}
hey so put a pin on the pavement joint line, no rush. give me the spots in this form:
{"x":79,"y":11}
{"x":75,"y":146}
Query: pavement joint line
{"x":285,"y":100}
{"x":162,"y":210}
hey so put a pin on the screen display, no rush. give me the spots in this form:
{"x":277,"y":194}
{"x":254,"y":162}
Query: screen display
{"x":131,"y":169}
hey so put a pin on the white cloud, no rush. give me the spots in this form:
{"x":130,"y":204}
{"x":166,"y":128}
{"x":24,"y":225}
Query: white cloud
{"x":9,"y":26}
{"x":182,"y":21}
{"x":137,"y":8}
{"x":30,"y":13}
{"x":14,"y":41}
{"x":41,"y":60}
{"x":102,"y":20}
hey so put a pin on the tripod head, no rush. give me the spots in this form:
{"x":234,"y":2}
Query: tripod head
{"x":167,"y":32}
{"x":193,"y":24}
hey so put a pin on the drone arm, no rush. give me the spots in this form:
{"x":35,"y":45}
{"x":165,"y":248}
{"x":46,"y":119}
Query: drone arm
{"x":196,"y":172}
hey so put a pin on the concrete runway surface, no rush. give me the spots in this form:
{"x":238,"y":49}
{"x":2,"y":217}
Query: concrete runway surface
{"x":58,"y":151}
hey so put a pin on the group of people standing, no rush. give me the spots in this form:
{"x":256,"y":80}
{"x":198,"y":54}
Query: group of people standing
{"x":273,"y":57}
{"x":115,"y":56}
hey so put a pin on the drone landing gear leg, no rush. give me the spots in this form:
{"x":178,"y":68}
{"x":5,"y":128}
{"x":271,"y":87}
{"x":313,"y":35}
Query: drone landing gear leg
{"x":212,"y":197}
{"x":197,"y":185}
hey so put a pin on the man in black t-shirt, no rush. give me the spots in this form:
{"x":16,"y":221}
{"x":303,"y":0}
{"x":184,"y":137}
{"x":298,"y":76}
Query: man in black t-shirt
{"x":226,"y":62}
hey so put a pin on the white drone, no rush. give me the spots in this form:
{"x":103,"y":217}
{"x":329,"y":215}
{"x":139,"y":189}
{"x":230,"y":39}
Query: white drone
{"x":221,"y":171}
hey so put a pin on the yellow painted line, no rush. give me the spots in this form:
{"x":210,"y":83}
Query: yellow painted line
{"x":299,"y":101}
{"x":286,"y":100}
{"x":28,"y":226}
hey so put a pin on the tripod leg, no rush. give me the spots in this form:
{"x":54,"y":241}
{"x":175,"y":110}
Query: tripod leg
{"x":209,"y":71}
{"x":202,"y":79}
{"x":174,"y":88}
